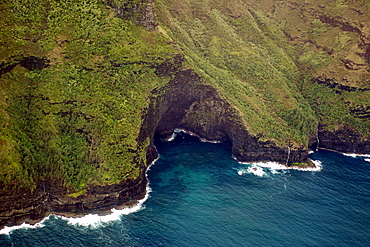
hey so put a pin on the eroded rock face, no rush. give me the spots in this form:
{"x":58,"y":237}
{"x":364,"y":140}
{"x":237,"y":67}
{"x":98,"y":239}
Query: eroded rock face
{"x":142,"y":11}
{"x":191,"y":104}
{"x":343,"y":140}
{"x":17,"y":207}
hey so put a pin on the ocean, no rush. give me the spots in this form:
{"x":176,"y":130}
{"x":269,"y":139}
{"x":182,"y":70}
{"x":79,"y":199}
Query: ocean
{"x":200,"y":196}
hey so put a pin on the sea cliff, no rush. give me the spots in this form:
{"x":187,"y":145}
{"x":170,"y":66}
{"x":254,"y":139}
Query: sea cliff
{"x":87,"y":87}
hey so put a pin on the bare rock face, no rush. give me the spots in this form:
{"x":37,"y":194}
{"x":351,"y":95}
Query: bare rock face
{"x":142,"y":11}
{"x":190,"y":103}
{"x":17,"y":207}
{"x":343,"y":140}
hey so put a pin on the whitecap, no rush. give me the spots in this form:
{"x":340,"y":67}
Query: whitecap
{"x":367,"y":160}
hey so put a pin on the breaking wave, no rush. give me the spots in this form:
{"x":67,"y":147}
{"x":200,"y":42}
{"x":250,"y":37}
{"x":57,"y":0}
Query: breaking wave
{"x":356,"y":155}
{"x":257,"y":168}
{"x":90,"y":220}
{"x":8,"y":229}
{"x":177,"y":131}
{"x":366,"y":157}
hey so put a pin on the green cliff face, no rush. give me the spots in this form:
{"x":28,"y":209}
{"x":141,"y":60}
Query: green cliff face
{"x":76,"y":119}
{"x":79,"y":79}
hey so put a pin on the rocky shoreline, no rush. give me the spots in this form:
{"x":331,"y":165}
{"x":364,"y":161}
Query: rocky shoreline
{"x":51,"y":198}
{"x":187,"y":104}
{"x":196,"y":107}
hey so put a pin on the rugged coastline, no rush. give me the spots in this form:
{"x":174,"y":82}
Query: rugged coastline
{"x":321,"y":102}
{"x":185,"y":99}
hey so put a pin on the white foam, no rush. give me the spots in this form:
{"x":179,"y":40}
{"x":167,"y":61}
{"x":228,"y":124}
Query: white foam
{"x":253,"y":169}
{"x":95,"y":220}
{"x":172,"y":137}
{"x":90,"y":220}
{"x":317,"y":168}
{"x":274,"y":166}
{"x":356,"y":155}
{"x":367,"y":160}
{"x":256,"y":170}
{"x":176,"y":131}
{"x":8,"y":229}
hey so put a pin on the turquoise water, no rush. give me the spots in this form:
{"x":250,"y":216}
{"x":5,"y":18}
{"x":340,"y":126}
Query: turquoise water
{"x":199,"y":199}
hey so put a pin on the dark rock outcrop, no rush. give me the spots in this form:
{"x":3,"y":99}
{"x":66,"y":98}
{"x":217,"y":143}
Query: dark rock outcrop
{"x":142,"y":11}
{"x":51,"y":197}
{"x":343,"y":140}
{"x":29,"y":62}
{"x":331,"y":83}
{"x":191,"y":104}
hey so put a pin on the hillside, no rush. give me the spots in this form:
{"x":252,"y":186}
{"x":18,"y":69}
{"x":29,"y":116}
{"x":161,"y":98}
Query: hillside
{"x":85,"y":87}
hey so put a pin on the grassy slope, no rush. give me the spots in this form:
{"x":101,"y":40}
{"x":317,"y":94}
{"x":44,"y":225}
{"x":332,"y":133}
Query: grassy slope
{"x":76,"y":121}
{"x":246,"y":57}
{"x":242,"y":48}
{"x":322,"y":49}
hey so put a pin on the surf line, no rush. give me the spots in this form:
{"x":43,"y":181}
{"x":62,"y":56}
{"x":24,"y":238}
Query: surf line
{"x":89,"y":220}
{"x":273,"y":166}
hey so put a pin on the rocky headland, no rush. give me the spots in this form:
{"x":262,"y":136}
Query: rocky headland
{"x":311,"y":86}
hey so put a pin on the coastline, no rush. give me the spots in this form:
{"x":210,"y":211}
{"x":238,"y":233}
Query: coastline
{"x":105,"y":215}
{"x":102,"y":216}
{"x":346,"y":154}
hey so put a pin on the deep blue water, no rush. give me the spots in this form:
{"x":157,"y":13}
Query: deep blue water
{"x":198,"y":199}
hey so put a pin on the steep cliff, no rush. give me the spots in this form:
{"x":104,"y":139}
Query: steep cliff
{"x":263,"y":56}
{"x":85,"y":88}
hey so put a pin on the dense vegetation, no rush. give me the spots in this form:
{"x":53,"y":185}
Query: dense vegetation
{"x":248,"y":60}
{"x":76,"y":119}
{"x":263,"y":55}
